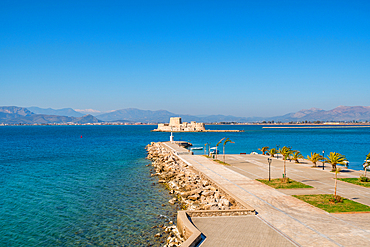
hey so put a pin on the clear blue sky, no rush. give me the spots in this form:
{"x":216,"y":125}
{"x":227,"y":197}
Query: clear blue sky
{"x":243,"y":58}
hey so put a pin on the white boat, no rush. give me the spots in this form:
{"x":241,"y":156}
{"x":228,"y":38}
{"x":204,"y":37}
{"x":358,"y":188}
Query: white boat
{"x":197,"y":148}
{"x":213,"y":150}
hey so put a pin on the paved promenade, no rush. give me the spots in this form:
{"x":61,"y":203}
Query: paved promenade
{"x":241,"y":231}
{"x":298,"y":221}
{"x":256,"y":166}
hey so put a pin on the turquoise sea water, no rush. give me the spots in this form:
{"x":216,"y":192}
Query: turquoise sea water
{"x":58,"y":189}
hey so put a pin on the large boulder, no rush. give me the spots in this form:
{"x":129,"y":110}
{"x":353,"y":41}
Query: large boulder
{"x":194,"y":197}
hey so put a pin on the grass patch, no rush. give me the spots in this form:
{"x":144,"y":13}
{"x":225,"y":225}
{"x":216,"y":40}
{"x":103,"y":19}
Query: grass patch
{"x":278,"y":183}
{"x":222,"y":163}
{"x":355,"y":181}
{"x":324,"y":201}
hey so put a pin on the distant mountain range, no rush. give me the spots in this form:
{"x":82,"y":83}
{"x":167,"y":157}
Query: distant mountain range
{"x":340,"y":113}
{"x":162,"y":116}
{"x":20,"y":115}
{"x":36,"y":115}
{"x":60,"y":112}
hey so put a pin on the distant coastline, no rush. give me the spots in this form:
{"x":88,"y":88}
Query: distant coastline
{"x":67,"y":124}
{"x":266,"y":125}
{"x":20,"y":116}
{"x":317,"y":127}
{"x":327,"y":124}
{"x":14,"y":115}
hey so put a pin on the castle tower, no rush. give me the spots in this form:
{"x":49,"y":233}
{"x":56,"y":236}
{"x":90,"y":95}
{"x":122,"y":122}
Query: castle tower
{"x":175,"y":121}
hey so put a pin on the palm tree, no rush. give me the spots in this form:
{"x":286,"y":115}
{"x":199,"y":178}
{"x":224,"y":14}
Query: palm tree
{"x":277,"y":152}
{"x":367,"y":163}
{"x":218,"y":143}
{"x":264,"y":150}
{"x":334,"y":159}
{"x":314,"y":158}
{"x":286,"y":152}
{"x":337,"y":170}
{"x":226,"y":141}
{"x":296,"y":155}
{"x":272,"y":152}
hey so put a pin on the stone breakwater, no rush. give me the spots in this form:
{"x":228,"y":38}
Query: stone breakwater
{"x":190,"y":189}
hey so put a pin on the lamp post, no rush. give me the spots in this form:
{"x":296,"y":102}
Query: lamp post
{"x":269,"y":161}
{"x":323,"y":160}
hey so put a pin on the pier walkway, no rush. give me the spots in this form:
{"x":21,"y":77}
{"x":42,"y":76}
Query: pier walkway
{"x":297,"y":221}
{"x":256,"y":167}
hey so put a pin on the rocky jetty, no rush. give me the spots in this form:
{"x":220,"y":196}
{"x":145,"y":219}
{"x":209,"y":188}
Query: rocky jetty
{"x":190,"y":189}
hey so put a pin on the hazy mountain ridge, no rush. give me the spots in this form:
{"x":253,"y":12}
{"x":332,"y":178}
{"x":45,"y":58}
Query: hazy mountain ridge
{"x":163,"y":116}
{"x":50,"y":119}
{"x":21,"y":115}
{"x":8,"y":112}
{"x":136,"y":115}
{"x":340,"y":113}
{"x":305,"y":112}
{"x":58,"y":112}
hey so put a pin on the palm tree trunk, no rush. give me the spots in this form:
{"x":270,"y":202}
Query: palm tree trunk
{"x":284,"y":170}
{"x":335,"y":187}
{"x":216,"y":153}
{"x":224,"y":152}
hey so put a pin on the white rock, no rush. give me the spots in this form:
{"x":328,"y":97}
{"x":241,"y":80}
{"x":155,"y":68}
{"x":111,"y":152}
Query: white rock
{"x":173,"y":200}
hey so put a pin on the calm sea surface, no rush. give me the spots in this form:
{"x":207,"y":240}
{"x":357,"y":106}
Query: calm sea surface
{"x":58,"y":189}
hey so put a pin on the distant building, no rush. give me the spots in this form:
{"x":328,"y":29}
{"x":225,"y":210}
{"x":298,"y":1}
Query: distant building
{"x":176,"y":125}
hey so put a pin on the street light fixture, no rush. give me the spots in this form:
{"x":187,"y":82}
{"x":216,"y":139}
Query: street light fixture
{"x":269,"y":161}
{"x":323,"y":160}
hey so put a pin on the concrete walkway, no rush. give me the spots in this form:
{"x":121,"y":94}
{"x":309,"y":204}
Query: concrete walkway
{"x":246,"y":231}
{"x":302,"y":223}
{"x":256,"y":166}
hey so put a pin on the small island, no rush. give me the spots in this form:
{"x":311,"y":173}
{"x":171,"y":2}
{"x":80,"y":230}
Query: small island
{"x":176,"y":125}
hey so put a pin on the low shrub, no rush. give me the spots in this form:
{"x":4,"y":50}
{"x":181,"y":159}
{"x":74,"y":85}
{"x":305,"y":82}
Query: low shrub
{"x":364,"y":179}
{"x":336,"y":199}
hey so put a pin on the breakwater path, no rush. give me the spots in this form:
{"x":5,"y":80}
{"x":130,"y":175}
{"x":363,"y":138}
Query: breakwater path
{"x":296,"y":220}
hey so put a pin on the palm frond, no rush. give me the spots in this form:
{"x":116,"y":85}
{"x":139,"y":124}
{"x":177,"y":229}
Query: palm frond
{"x":218,"y":143}
{"x":228,"y":140}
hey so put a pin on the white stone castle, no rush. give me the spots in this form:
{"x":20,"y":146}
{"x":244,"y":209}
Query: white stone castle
{"x":176,"y":125}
